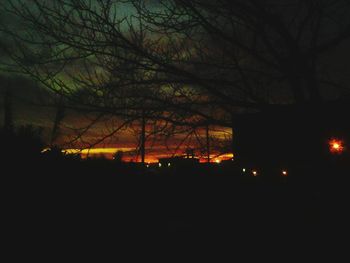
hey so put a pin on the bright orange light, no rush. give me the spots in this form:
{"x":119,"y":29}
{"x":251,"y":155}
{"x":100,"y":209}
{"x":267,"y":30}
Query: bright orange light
{"x":217,"y":161}
{"x":336,"y":146}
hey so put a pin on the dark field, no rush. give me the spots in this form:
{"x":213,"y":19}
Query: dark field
{"x":83,"y":202}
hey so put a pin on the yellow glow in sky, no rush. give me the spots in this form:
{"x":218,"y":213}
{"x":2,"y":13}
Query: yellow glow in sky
{"x":97,"y":150}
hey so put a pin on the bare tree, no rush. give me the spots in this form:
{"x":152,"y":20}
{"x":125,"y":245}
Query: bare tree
{"x":59,"y":116}
{"x":185,"y":62}
{"x":8,"y":116}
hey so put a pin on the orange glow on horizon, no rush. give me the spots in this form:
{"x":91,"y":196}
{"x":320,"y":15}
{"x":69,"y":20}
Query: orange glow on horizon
{"x":130,"y":154}
{"x":96,"y":150}
{"x":218,"y":159}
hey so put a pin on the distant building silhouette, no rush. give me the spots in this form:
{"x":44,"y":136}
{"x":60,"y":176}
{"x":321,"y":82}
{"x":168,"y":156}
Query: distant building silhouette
{"x":178,"y":161}
{"x":189,"y":153}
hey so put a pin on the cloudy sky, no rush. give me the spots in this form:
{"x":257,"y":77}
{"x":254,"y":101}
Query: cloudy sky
{"x":29,"y":98}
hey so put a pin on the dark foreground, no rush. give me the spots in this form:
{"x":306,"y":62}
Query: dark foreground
{"x":75,"y":206}
{"x":63,"y":208}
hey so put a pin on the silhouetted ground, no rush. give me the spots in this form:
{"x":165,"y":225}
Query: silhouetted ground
{"x":52,"y":201}
{"x":70,"y":199}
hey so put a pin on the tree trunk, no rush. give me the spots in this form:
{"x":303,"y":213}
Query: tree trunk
{"x":8,"y":115}
{"x":60,"y":112}
{"x":143,"y":138}
{"x":297,"y":89}
{"x":233,"y":146}
{"x":208,"y":144}
{"x":313,"y":88}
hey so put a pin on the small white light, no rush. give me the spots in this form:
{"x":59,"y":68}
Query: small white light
{"x":160,"y":165}
{"x":217,"y":161}
{"x":255,"y":173}
{"x":284,"y":172}
{"x":169,"y":164}
{"x":243,"y":170}
{"x":147,"y":165}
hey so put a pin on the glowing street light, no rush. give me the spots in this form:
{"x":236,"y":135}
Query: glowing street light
{"x":255,"y":173}
{"x":336,"y":146}
{"x":284,"y":173}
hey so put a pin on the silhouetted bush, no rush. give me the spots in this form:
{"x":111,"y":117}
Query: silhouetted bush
{"x":23,"y":143}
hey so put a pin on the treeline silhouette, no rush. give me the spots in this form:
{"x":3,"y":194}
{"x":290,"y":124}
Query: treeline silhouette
{"x":53,"y":195}
{"x":291,"y":139}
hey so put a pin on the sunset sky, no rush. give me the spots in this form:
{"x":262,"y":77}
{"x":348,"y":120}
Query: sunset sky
{"x":30,"y":102}
{"x":28,"y":109}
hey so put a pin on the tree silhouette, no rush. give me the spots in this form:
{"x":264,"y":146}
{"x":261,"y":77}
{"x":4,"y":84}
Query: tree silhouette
{"x":118,"y":156}
{"x":22,"y":143}
{"x":8,"y":115}
{"x":188,"y":63}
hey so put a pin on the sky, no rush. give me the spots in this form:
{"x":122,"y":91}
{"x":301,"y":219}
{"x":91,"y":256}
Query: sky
{"x":29,"y":97}
{"x":30,"y":101}
{"x":29,"y":107}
